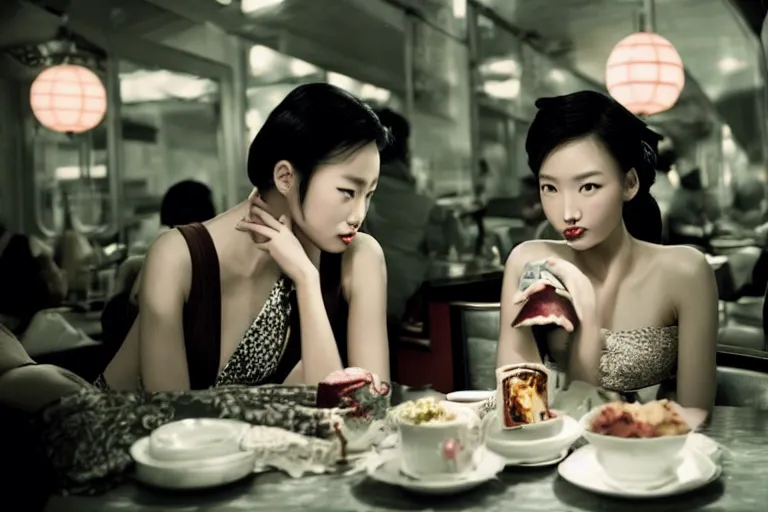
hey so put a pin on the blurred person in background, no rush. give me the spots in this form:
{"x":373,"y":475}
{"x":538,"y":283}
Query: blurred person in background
{"x":30,"y":280}
{"x":408,"y":224}
{"x":692,"y":213}
{"x":186,"y":202}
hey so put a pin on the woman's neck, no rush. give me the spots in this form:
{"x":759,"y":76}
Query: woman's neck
{"x":614,"y":254}
{"x":278,"y":206}
{"x":237,"y":250}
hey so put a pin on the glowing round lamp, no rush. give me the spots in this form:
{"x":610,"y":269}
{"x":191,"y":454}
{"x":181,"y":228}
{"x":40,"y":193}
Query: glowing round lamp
{"x":645,"y":73}
{"x":68,"y":98}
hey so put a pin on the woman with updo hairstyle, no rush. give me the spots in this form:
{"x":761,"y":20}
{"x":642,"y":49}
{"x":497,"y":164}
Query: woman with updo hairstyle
{"x":643,"y":314}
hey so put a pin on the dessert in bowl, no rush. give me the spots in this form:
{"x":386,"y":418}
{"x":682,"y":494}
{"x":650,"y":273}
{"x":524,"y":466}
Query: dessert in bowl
{"x":365,"y":399}
{"x":637,"y":443}
{"x":437,"y":440}
{"x":522,"y":427}
{"x":522,"y":403}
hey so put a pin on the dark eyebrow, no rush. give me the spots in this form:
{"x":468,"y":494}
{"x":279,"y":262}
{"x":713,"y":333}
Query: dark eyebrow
{"x":578,"y":177}
{"x":360,"y":182}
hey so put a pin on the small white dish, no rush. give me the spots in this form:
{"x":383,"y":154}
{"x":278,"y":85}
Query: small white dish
{"x":521,"y":463}
{"x":386,"y":469}
{"x":195,"y":439}
{"x":196,"y":474}
{"x":582,"y":470}
{"x":470,"y":396}
{"x":510,"y":445}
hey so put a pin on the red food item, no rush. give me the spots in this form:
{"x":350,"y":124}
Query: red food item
{"x":338,"y":389}
{"x":546,"y":307}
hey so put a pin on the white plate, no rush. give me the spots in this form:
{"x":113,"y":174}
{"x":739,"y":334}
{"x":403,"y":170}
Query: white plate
{"x":387,"y":470}
{"x":469,"y":396}
{"x":544,"y":450}
{"x":525,"y":464}
{"x":195,"y":439}
{"x":582,"y":470}
{"x":199,"y":474}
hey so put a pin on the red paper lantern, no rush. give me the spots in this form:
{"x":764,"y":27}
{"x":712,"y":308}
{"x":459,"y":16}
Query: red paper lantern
{"x":645,"y":73}
{"x":68,"y":98}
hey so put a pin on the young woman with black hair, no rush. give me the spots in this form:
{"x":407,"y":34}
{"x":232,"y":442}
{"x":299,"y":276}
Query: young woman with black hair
{"x":302,"y":296}
{"x":647,"y":314}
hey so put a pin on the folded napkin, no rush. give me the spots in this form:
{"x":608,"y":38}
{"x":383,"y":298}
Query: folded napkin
{"x":292,"y":453}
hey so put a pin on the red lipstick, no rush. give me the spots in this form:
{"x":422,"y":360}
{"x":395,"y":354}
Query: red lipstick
{"x":347,"y":239}
{"x":573,"y":233}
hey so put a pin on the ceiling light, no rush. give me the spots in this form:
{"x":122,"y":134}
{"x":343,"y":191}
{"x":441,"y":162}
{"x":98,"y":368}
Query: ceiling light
{"x":251,"y":6}
{"x":507,"y":67}
{"x":505,"y":90}
{"x":645,"y":73}
{"x":557,"y":76}
{"x":459,"y":9}
{"x":730,"y":65}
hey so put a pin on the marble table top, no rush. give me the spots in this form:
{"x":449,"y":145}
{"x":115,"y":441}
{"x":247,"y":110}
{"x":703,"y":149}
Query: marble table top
{"x":742,"y":487}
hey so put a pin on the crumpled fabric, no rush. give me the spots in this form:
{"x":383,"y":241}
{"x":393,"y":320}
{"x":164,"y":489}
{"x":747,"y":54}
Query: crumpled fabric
{"x":87,"y":436}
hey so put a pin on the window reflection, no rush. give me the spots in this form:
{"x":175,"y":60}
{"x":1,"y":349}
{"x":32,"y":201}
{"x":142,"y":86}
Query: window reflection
{"x":440,"y":122}
{"x":273,"y":75}
{"x":75,"y":166}
{"x":170,"y":126}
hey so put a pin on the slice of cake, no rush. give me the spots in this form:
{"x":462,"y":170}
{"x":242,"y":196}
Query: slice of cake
{"x":524,"y":398}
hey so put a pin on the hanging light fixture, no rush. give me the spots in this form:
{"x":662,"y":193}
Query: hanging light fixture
{"x":67,"y":97}
{"x":644,"y":71}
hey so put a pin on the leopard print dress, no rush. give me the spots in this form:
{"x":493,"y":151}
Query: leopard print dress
{"x":260,"y":351}
{"x":257,"y":356}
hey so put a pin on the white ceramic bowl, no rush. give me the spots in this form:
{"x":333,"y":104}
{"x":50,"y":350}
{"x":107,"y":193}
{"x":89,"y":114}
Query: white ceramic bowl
{"x":196,"y":439}
{"x":634,"y":460}
{"x":197,"y":474}
{"x":527,"y":444}
{"x":533,"y":431}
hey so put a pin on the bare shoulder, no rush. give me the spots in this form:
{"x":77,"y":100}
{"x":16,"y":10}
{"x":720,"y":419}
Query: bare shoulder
{"x":168,"y":262}
{"x":363,"y":249}
{"x":362,"y":262}
{"x":533,"y":250}
{"x":680,"y":262}
{"x":170,"y":248}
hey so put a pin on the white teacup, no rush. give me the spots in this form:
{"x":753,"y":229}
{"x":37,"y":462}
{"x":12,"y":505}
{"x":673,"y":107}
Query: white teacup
{"x":440,"y":449}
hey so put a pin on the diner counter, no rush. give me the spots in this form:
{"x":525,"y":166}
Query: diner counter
{"x":743,"y":432}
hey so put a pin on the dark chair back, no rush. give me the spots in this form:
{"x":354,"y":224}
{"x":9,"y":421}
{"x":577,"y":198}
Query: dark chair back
{"x":474,"y":338}
{"x":742,"y":388}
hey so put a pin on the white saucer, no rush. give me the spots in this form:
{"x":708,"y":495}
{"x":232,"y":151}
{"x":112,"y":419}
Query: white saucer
{"x":387,"y":470}
{"x":469,"y":396}
{"x":539,"y":451}
{"x":582,"y":470}
{"x":542,"y":464}
{"x":190,"y":474}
